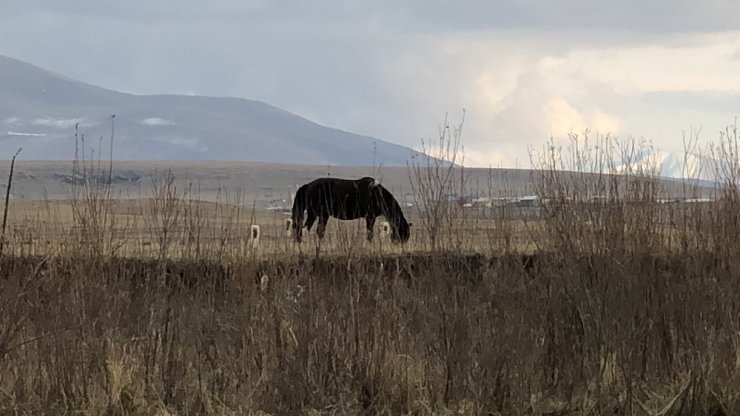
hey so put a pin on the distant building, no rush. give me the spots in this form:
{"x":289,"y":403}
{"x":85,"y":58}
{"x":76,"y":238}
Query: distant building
{"x":529,"y":201}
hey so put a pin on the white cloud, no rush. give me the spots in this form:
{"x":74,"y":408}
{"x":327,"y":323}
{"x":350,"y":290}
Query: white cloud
{"x":562,"y":118}
{"x":705,"y":64}
{"x":156,"y":121}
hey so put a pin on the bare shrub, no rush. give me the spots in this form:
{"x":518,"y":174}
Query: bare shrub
{"x":433,"y":177}
{"x":600,"y":196}
{"x":90,"y":193}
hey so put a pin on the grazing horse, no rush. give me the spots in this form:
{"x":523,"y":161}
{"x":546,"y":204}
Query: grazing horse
{"x":347,"y":199}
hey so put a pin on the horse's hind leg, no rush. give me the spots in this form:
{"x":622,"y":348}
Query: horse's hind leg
{"x":298,"y":225}
{"x":297,"y":229}
{"x":321,"y":228}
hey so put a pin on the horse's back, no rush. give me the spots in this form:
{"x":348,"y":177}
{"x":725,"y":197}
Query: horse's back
{"x":341,"y":184}
{"x":342,"y":198}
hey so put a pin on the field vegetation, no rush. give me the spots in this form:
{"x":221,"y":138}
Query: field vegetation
{"x":606,"y":300}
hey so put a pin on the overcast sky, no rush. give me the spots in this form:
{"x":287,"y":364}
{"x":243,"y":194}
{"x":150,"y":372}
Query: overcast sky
{"x":523,"y":70}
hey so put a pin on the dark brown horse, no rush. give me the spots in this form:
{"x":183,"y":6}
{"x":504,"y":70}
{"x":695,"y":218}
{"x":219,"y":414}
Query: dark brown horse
{"x":347,"y":199}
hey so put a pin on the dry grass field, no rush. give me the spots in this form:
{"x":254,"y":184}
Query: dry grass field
{"x":135,"y":228}
{"x":604,"y":300}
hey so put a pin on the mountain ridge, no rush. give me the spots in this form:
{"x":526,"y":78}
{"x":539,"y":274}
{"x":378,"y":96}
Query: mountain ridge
{"x":39,"y":108}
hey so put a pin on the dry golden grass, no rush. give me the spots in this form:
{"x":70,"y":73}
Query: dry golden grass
{"x":43,"y":227}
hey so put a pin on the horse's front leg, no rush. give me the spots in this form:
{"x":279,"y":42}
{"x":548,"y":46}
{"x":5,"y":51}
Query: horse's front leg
{"x":370,"y":222}
{"x":297,"y":230}
{"x":310,"y":218}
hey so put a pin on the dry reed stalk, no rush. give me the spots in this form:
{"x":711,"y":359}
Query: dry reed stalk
{"x":7,"y":202}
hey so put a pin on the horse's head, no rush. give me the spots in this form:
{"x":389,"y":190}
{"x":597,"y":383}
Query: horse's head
{"x":401,"y":231}
{"x":389,"y":207}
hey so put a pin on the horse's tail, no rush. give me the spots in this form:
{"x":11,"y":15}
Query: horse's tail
{"x":299,"y":208}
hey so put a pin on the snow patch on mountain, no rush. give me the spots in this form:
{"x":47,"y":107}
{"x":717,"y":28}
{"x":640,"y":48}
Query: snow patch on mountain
{"x":63,"y":123}
{"x":157,"y":121}
{"x":675,"y":165}
{"x":17,"y":133}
